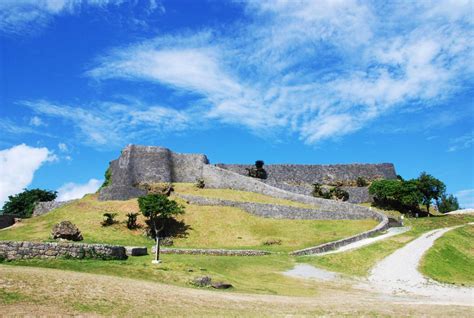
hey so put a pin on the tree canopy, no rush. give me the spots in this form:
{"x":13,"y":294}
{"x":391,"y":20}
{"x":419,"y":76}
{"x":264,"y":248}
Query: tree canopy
{"x":23,"y":204}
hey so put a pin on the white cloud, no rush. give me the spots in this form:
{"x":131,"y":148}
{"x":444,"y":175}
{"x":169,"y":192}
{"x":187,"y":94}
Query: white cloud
{"x":319,"y":69}
{"x":24,"y":16}
{"x":463,"y":142}
{"x":71,"y":191}
{"x":63,"y":147}
{"x":18,"y":165}
{"x":466,"y":198}
{"x":36,"y":121}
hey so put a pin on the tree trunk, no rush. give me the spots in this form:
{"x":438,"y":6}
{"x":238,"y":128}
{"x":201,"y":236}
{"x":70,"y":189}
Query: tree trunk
{"x":157,"y":248}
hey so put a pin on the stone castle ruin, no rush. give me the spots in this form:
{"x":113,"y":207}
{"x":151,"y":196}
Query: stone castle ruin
{"x":139,"y":165}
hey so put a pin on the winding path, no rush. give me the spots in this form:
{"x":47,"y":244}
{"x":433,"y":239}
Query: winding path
{"x":398,"y":273}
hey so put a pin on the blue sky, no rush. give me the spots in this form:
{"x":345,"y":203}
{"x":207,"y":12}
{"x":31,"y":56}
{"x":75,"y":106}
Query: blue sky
{"x":283,"y":81}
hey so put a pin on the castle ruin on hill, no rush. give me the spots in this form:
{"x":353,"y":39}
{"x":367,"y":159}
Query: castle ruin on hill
{"x":149,"y":164}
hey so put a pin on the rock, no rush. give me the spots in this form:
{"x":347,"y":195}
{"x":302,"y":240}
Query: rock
{"x":221,"y":285}
{"x":202,"y":281}
{"x":66,"y":230}
{"x":136,"y":250}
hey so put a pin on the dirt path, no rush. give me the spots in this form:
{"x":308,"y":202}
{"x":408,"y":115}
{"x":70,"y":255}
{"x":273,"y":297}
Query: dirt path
{"x":398,"y":274}
{"x":35,"y":291}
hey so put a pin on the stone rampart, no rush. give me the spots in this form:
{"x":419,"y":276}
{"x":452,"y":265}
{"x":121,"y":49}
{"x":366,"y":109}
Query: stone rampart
{"x":212,"y":252}
{"x":11,"y":250}
{"x":6,"y":220}
{"x":324,"y":174}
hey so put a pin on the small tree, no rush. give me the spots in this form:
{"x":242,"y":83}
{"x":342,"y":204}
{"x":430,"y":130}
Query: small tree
{"x":132,"y":221}
{"x":109,"y":219}
{"x":23,"y":204}
{"x":431,"y":189}
{"x":158,"y":209}
{"x":448,"y":203}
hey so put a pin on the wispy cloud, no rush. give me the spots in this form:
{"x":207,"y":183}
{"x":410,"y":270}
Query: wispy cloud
{"x":107,"y":123}
{"x":463,"y":142}
{"x":27,"y":16}
{"x":466,"y":198}
{"x":319,"y":69}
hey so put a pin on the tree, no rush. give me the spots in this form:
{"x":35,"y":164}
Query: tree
{"x":158,"y":210}
{"x":403,"y":196}
{"x":431,"y":189}
{"x":23,"y":204}
{"x":448,"y":203}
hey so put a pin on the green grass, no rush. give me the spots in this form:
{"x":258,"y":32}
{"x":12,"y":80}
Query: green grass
{"x":359,"y":262}
{"x":10,"y":297}
{"x":451,"y":259}
{"x":262,"y":274}
{"x":211,"y":227}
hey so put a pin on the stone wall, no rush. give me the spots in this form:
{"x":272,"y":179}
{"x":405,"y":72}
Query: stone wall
{"x":44,"y":207}
{"x":275,"y":211}
{"x":6,"y":220}
{"x":11,"y":250}
{"x":324,"y":174}
{"x":212,"y":252}
{"x":147,"y":164}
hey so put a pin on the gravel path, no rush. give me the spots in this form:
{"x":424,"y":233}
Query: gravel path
{"x":370,"y":240}
{"x":308,"y":271}
{"x":398,"y":274}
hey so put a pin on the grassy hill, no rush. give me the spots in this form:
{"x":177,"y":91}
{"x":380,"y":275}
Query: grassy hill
{"x":210,"y":226}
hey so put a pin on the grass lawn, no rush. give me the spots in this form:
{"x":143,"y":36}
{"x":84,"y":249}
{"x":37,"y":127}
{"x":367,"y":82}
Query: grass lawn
{"x":210,"y":227}
{"x":360,"y":261}
{"x":261,"y":275}
{"x":451,"y":259}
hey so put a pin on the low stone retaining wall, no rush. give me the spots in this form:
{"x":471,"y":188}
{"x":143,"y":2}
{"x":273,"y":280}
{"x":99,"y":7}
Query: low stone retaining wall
{"x":281,"y":211}
{"x":212,"y":252}
{"x":11,"y":250}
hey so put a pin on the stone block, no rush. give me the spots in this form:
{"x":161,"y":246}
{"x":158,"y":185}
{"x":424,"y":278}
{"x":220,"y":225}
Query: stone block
{"x":136,"y":250}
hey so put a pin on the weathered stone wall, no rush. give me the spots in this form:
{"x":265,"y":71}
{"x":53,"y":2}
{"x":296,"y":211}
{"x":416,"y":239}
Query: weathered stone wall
{"x":11,"y":250}
{"x":275,"y":211}
{"x":6,"y":221}
{"x":44,"y":207}
{"x":148,"y":164}
{"x":212,"y":252}
{"x":324,"y":174}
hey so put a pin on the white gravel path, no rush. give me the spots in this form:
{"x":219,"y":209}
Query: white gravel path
{"x":308,"y":271}
{"x":463,"y":211}
{"x":398,"y":274}
{"x":370,"y":240}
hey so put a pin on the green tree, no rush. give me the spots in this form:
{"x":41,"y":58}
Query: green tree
{"x":23,"y":204}
{"x":448,"y":203}
{"x":431,"y":189}
{"x":158,"y":209}
{"x":403,"y":196}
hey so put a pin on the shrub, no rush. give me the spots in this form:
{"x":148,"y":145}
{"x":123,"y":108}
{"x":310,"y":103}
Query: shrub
{"x":339,"y":194}
{"x":257,"y":171}
{"x":107,"y":178}
{"x":200,"y":183}
{"x":132,"y":221}
{"x":23,"y":204}
{"x":109,"y":219}
{"x":272,"y":242}
{"x":361,"y":182}
{"x":335,"y":193}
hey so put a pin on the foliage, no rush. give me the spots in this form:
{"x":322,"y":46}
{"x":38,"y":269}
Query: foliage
{"x":158,"y":209}
{"x":107,"y":178}
{"x":430,"y":188}
{"x":109,"y":219}
{"x":361,"y":182}
{"x":156,"y":188}
{"x":23,"y":204}
{"x":200,"y":183}
{"x":403,"y":196}
{"x":257,"y":171}
{"x":132,"y":220}
{"x":334,"y":193}
{"x":448,"y":203}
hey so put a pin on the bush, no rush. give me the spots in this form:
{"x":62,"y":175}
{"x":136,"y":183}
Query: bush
{"x":200,"y":183}
{"x":448,"y":203}
{"x":361,"y":182}
{"x":335,"y":193}
{"x":403,"y":196}
{"x":109,"y":219}
{"x":257,"y":171}
{"x":23,"y":204}
{"x":339,"y":193}
{"x":107,"y":178}
{"x":132,"y":221}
